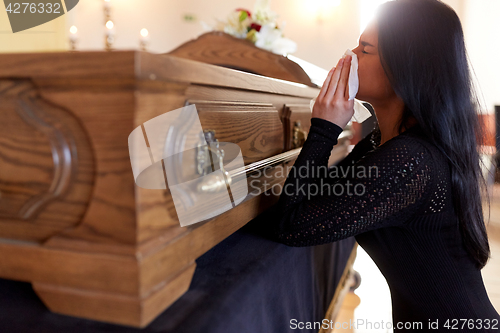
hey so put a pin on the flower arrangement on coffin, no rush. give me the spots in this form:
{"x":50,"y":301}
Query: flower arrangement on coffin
{"x":260,"y":28}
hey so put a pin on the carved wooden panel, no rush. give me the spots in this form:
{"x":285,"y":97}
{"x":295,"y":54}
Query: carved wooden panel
{"x":46,"y":165}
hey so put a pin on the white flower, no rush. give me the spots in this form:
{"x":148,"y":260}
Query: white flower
{"x":234,"y":26}
{"x":263,"y":13}
{"x":271,"y":39}
{"x":267,"y":35}
{"x":284,"y":46}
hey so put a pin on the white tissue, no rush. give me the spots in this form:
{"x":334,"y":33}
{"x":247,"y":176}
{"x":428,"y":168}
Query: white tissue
{"x":353,"y":74}
{"x":361,"y":113}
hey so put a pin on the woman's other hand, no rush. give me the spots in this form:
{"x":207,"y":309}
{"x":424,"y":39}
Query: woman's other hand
{"x":333,"y":103}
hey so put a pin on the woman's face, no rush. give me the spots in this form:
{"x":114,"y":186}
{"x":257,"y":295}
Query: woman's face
{"x":374,"y":86}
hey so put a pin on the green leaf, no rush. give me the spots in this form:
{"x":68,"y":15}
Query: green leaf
{"x":243,"y":15}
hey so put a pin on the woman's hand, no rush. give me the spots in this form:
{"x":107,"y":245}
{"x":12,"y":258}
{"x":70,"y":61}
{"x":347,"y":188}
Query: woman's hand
{"x":333,"y":103}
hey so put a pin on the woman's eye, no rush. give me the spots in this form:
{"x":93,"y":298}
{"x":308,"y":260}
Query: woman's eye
{"x":364,"y":52}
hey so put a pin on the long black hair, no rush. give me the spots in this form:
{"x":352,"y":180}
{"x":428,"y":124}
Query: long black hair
{"x":422,"y":50}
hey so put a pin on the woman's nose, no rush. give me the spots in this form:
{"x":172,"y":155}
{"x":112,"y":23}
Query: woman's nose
{"x":356,"y":51}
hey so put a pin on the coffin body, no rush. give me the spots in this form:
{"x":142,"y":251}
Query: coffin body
{"x":74,"y":223}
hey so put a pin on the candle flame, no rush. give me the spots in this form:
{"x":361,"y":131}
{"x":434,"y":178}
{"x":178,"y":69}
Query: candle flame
{"x":73,"y":29}
{"x":144,"y":32}
{"x":109,"y":24}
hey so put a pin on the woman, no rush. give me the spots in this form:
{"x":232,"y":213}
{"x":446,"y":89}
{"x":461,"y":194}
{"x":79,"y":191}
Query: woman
{"x":409,"y":191}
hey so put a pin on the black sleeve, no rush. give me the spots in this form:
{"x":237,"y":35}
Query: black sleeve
{"x":383,"y":188}
{"x":364,"y":146}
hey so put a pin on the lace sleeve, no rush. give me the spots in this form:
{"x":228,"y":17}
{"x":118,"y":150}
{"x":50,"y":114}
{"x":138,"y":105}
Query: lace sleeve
{"x":383,"y":188}
{"x":360,"y":149}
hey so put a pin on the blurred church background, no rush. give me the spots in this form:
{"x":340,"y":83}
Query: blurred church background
{"x":322,"y":29}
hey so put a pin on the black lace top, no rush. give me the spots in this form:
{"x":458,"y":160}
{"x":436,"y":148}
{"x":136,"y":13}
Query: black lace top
{"x":375,"y":186}
{"x":395,"y":199}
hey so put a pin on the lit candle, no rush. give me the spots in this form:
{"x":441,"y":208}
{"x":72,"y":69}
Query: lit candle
{"x":73,"y":30}
{"x":144,"y":39}
{"x":73,"y":37}
{"x":110,"y":25}
{"x":110,"y":33}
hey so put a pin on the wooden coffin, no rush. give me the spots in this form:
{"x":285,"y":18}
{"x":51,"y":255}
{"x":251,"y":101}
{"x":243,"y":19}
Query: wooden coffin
{"x":72,"y":220}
